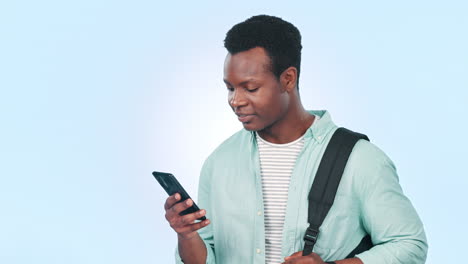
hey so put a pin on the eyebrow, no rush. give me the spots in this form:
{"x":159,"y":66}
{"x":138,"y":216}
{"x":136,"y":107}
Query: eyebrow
{"x":242,"y":83}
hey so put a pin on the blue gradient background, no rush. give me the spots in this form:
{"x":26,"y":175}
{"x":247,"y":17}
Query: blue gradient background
{"x":94,"y":96}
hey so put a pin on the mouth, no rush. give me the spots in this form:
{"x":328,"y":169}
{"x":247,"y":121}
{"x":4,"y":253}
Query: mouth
{"x":245,"y":118}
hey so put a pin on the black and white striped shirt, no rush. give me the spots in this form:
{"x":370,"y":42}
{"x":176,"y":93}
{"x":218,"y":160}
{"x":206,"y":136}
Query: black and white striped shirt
{"x":276,"y":164}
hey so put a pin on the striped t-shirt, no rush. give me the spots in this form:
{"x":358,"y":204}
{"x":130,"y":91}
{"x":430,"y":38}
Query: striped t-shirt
{"x":276,"y":164}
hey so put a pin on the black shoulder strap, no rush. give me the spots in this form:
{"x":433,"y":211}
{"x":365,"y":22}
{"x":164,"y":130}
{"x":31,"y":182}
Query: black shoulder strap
{"x":365,"y":244}
{"x":328,"y":177}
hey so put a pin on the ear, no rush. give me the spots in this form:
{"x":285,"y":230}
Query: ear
{"x":288,"y":79}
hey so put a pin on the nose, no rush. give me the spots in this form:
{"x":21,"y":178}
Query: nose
{"x":236,"y":99}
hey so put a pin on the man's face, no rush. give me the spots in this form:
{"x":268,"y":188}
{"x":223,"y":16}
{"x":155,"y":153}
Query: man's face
{"x":254,"y":93}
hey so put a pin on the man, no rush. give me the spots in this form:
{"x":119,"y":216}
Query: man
{"x":254,"y":186}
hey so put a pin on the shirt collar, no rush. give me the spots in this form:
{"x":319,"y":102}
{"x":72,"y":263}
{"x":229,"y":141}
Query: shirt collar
{"x":319,"y":128}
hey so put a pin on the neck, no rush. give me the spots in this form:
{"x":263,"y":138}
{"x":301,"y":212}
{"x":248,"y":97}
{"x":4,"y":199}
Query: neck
{"x":289,"y":128}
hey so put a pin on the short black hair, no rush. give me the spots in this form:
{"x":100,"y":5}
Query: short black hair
{"x":280,"y":39}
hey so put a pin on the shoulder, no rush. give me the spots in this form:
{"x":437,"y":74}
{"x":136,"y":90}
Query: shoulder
{"x":369,"y":165}
{"x":366,"y":154}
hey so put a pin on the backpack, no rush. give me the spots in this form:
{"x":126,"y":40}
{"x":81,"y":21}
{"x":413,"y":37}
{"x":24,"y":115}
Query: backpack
{"x":323,"y":191}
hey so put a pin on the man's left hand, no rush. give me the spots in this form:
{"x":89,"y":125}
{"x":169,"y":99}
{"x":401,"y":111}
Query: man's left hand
{"x":297,"y":258}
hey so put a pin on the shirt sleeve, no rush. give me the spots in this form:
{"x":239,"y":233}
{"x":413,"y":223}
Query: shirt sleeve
{"x":387,"y":214}
{"x":204,"y":202}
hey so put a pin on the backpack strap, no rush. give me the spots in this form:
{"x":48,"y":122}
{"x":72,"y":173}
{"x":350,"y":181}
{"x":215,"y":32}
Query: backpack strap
{"x":328,"y":177}
{"x":364,"y":245}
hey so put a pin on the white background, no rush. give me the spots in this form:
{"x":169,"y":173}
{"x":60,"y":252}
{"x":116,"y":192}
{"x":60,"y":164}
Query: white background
{"x":95,"y":95}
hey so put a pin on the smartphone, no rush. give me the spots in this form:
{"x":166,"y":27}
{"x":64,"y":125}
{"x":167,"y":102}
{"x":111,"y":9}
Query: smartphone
{"x":171,"y":185}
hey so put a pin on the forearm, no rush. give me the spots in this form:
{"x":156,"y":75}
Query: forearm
{"x":193,"y":250}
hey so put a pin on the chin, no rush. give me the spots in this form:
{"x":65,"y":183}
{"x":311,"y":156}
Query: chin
{"x":252,"y":126}
{"x":249,"y":126}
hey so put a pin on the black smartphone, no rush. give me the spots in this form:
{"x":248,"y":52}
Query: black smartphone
{"x":172,"y":185}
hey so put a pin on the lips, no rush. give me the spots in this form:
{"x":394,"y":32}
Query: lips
{"x":244,"y":118}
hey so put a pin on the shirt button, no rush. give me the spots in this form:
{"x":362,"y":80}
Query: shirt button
{"x":259,"y":213}
{"x":258,"y":251}
{"x":319,"y":137}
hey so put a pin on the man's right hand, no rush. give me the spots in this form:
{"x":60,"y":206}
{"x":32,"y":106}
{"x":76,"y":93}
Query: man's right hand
{"x":184,"y":225}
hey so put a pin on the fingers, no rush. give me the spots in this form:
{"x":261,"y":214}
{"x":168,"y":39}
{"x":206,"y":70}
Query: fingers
{"x":190,"y":228}
{"x":184,"y":225}
{"x":190,"y":218}
{"x":298,"y":258}
{"x":175,"y":209}
{"x":171,"y":200}
{"x":295,"y":255}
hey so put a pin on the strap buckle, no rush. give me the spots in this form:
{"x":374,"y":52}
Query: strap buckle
{"x":311,"y":235}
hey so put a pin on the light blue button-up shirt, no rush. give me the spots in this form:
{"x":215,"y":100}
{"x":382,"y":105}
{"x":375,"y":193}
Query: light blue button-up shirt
{"x":369,"y":200}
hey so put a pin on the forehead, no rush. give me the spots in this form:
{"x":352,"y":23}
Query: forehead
{"x":250,"y":63}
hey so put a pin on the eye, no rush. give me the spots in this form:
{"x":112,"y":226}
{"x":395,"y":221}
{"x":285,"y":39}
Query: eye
{"x":230,"y":88}
{"x":253,"y":90}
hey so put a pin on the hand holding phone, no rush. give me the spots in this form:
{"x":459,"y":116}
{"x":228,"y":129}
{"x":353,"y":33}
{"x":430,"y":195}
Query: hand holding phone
{"x":172,"y":186}
{"x":181,"y":211}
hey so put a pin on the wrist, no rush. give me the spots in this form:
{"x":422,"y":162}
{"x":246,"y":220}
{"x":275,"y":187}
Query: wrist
{"x":186,"y":238}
